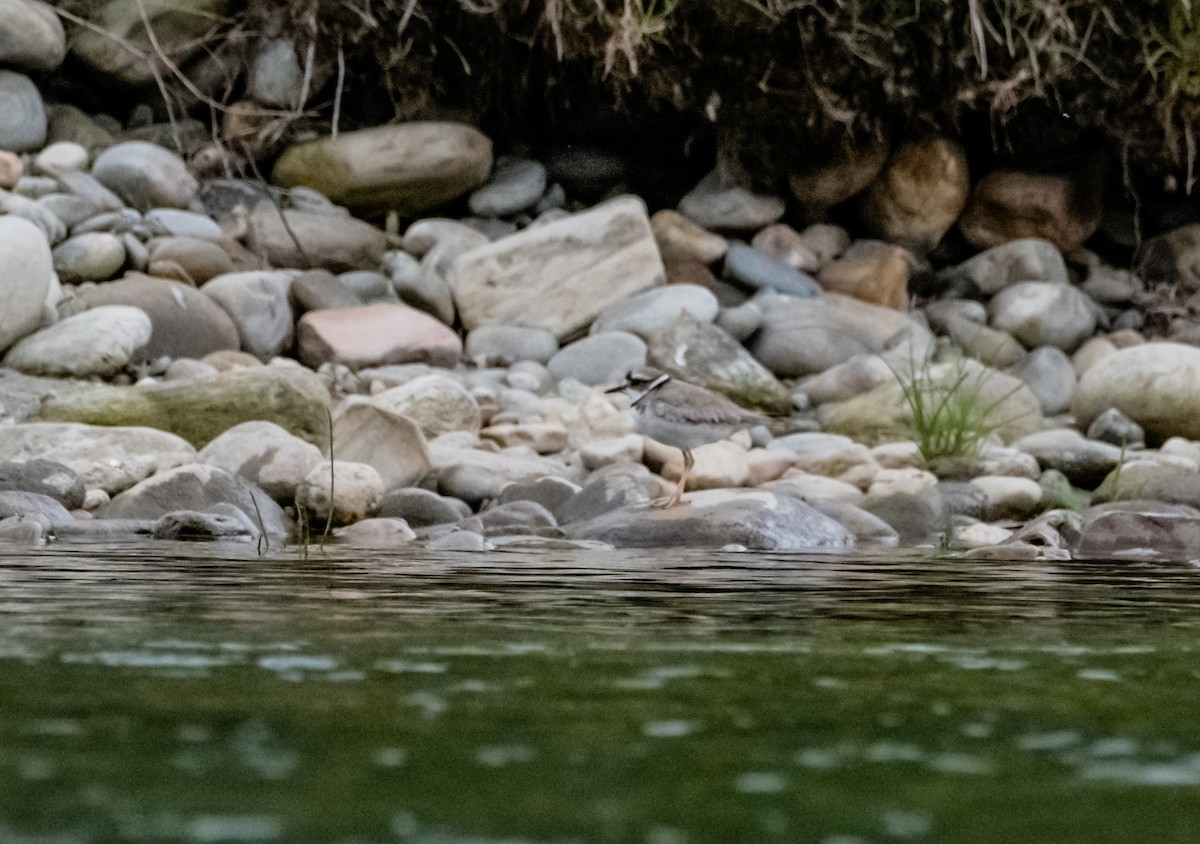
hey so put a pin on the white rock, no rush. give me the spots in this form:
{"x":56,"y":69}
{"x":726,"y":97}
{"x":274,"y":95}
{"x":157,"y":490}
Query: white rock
{"x":437,"y":403}
{"x":1008,"y":497}
{"x":61,"y":157}
{"x":108,"y":458}
{"x":1042,"y":313}
{"x":1157,"y":385}
{"x":393,"y":444}
{"x":347,"y":494}
{"x":26,"y":280}
{"x":561,"y":275}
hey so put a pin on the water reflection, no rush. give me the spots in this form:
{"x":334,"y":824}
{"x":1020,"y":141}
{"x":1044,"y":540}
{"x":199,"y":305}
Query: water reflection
{"x":163,"y":693}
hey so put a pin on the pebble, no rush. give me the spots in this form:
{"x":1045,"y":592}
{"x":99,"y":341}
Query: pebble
{"x":22,"y":113}
{"x":749,"y":267}
{"x":146,"y":176}
{"x":505,"y":344}
{"x":27,"y":280}
{"x":31,"y":35}
{"x":343,"y":495}
{"x":94,"y":256}
{"x":186,"y":323}
{"x":717,"y":204}
{"x":61,"y":157}
{"x":515,"y":186}
{"x":392,"y":444}
{"x":1039,"y":313}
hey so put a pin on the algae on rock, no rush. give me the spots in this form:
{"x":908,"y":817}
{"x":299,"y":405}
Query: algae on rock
{"x":200,"y":409}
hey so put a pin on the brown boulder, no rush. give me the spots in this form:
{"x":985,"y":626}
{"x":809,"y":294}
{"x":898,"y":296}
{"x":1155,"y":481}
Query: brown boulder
{"x":822,"y":187}
{"x":920,"y":193}
{"x":870,"y":271}
{"x":1010,"y":204}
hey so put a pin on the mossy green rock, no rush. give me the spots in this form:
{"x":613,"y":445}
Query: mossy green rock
{"x":199,"y":410}
{"x":704,"y":354}
{"x":410,"y":167}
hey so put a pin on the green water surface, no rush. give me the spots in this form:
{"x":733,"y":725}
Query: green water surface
{"x":190,"y":693}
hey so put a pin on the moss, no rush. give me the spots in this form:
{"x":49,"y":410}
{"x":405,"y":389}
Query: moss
{"x":199,"y":410}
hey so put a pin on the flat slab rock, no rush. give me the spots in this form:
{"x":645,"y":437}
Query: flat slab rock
{"x":756,"y":519}
{"x":559,"y":276}
{"x":375,"y":335}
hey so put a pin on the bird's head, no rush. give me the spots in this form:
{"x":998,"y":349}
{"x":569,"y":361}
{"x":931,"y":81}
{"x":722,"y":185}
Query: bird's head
{"x":640,"y":383}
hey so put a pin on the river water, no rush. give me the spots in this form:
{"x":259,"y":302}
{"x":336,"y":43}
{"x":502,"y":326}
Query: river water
{"x":193,"y":693}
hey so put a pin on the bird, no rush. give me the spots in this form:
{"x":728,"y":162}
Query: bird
{"x":682,"y":415}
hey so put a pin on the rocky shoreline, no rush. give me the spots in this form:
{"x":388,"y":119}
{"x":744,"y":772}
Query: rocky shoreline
{"x":184,"y":356}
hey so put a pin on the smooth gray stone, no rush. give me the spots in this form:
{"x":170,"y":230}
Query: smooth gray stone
{"x":750,"y":268}
{"x":191,"y":525}
{"x":174,"y":222}
{"x":369,"y":286}
{"x":22,"y":113}
{"x":1027,"y":259}
{"x":866,"y":527}
{"x":264,"y":454}
{"x":16,"y":530}
{"x":551,"y":493}
{"x":916,"y":518}
{"x":31,"y":35}
{"x":600,"y":359}
{"x":31,"y":505}
{"x":515,"y":186}
{"x":94,"y":256}
{"x":187,"y":324}
{"x":516,"y":517}
{"x":1113,"y":426}
{"x":44,"y":477}
{"x":1085,"y":462}
{"x":502,"y":345}
{"x":146,"y":175}
{"x":716,"y":518}
{"x":196,"y":486}
{"x":1162,"y":531}
{"x":715,"y":204}
{"x":317,"y":290}
{"x":421,"y":507}
{"x":616,"y":487}
{"x":257,"y":302}
{"x":1049,"y":374}
{"x":647,"y":313}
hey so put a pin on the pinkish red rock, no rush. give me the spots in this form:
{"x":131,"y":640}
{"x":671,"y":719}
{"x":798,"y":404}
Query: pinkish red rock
{"x":374,"y":335}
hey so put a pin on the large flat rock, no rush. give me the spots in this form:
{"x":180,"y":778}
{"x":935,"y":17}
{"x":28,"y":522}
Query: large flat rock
{"x":559,"y":276}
